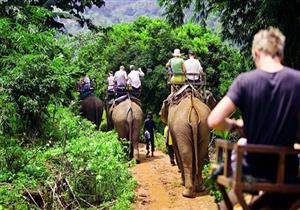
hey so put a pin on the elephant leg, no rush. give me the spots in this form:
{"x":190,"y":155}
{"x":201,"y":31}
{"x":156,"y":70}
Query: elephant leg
{"x":202,"y":154}
{"x":178,"y":159}
{"x":186,"y":154}
{"x":135,"y":145}
{"x":135,"y":142}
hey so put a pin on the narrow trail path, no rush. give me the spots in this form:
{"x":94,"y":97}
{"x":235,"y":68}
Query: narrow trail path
{"x":159,"y":186}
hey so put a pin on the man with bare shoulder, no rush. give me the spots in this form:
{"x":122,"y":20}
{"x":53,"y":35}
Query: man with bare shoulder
{"x":269,"y":100}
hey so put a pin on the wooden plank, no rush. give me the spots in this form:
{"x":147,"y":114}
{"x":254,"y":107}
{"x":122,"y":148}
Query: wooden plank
{"x":281,"y":168}
{"x":269,"y":187}
{"x":224,"y":181}
{"x":225,"y":197}
{"x":258,"y":148}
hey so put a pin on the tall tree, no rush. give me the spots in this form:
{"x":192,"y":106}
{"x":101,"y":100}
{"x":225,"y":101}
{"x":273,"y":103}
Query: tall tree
{"x":73,"y":7}
{"x":242,"y":19}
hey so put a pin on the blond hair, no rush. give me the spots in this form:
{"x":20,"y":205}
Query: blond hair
{"x":270,"y":41}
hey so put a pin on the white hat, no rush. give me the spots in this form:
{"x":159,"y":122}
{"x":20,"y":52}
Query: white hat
{"x":86,"y":79}
{"x":176,"y":52}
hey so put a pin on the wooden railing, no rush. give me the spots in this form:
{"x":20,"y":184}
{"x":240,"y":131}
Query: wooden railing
{"x":235,"y":180}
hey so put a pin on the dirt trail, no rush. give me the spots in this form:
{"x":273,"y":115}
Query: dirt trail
{"x":159,"y":186}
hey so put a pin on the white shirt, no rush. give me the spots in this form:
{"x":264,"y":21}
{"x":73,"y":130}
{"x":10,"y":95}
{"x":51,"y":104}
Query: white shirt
{"x":134,"y":78}
{"x":110,"y":81}
{"x":193,"y":66}
{"x":120,"y":77}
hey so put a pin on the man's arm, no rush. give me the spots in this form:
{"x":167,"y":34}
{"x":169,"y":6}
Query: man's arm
{"x":218,"y":118}
{"x":141,"y":73}
{"x":201,"y":71}
{"x":183,"y":68}
{"x":168,"y":64}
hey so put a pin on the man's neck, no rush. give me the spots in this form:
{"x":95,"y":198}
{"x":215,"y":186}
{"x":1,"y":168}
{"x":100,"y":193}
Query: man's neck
{"x":269,"y":64}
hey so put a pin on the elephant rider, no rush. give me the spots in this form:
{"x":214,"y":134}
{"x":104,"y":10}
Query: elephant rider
{"x":110,"y":86}
{"x":120,"y":79}
{"x":177,"y":65}
{"x":134,"y":80}
{"x":193,"y":67}
{"x":149,"y":125}
{"x":169,"y":145}
{"x":85,"y":88}
{"x":269,"y":100}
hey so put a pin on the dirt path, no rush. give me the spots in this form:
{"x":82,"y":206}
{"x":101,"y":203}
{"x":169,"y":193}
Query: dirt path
{"x":159,"y":186}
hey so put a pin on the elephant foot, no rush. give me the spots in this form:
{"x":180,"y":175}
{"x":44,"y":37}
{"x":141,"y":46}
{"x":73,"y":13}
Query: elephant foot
{"x":136,"y":157}
{"x":188,"y":193}
{"x":200,"y":188}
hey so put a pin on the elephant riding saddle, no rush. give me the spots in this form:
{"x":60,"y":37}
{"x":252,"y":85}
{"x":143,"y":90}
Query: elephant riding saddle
{"x":175,"y":98}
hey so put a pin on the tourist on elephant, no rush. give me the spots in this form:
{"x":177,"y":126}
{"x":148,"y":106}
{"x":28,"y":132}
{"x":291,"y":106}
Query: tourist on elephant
{"x":134,"y":80}
{"x":120,"y":79}
{"x":169,"y":145}
{"x":269,"y":100}
{"x":177,"y":65}
{"x":192,"y":66}
{"x":85,"y":88}
{"x":110,"y":86}
{"x":149,"y":125}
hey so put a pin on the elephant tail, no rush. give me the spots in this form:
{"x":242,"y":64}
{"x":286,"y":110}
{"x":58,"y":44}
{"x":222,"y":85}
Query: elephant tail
{"x":130,"y":125}
{"x":194,"y":125}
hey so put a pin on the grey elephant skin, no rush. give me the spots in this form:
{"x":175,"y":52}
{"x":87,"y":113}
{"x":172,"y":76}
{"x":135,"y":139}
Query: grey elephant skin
{"x":127,"y":119}
{"x":188,"y":127}
{"x":92,"y":109}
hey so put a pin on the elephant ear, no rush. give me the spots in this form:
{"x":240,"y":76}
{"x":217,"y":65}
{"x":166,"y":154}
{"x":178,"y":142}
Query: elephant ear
{"x":164,"y":112}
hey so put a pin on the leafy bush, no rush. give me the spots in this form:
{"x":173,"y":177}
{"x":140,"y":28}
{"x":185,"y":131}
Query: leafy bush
{"x":87,"y":168}
{"x":210,"y":184}
{"x":148,"y":43}
{"x":160,"y":143}
{"x":35,"y":71}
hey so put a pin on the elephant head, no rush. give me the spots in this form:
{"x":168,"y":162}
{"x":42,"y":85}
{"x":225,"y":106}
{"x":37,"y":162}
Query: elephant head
{"x":127,"y":118}
{"x":190,"y":134}
{"x":92,"y":109}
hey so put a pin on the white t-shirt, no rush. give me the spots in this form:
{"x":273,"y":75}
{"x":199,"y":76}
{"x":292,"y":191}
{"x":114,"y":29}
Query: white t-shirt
{"x":193,"y":66}
{"x":120,"y":77}
{"x":134,"y":78}
{"x":110,"y":81}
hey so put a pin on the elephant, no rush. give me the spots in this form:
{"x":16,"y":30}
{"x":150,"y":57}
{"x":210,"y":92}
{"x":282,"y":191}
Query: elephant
{"x":127,"y":119}
{"x":92,"y":109}
{"x":187,"y":121}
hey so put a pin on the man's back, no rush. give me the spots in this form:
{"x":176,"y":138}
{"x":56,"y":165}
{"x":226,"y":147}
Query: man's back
{"x":120,"y":78}
{"x":176,"y":64}
{"x":193,"y":66}
{"x":269,"y":103}
{"x":134,"y":78}
{"x":149,"y":125}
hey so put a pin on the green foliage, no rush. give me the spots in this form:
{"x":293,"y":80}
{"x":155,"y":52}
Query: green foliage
{"x":222,"y":134}
{"x":210,"y":184}
{"x":160,"y":143}
{"x":240,"y":23}
{"x":70,"y":8}
{"x":35,"y":71}
{"x":149,"y":43}
{"x":93,"y":163}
